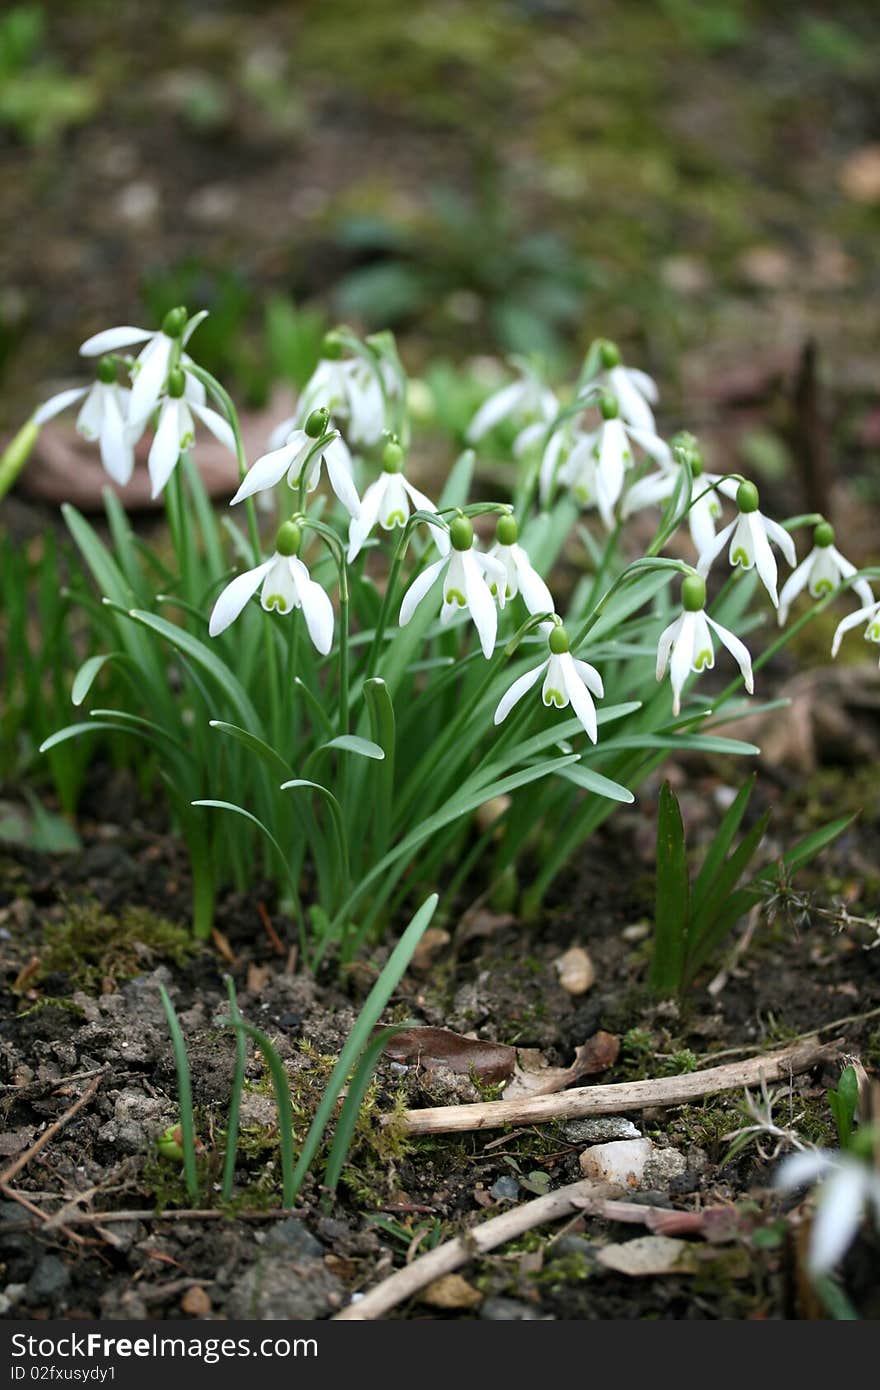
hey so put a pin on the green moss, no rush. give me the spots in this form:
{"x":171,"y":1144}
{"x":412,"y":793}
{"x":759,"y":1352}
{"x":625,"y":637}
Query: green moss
{"x":90,"y":945}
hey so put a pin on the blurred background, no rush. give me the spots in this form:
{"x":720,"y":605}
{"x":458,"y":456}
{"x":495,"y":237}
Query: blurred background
{"x":699,"y":179}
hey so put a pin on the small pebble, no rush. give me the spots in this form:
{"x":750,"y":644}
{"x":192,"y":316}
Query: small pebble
{"x":576,"y":971}
{"x":196,"y":1302}
{"x":637,"y":931}
{"x":508,"y":1310}
{"x":505,"y":1189}
{"x":599,"y":1129}
{"x":622,"y":1163}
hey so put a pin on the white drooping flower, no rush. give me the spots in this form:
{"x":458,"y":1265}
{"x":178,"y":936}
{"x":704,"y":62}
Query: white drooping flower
{"x":103,"y":417}
{"x":286,"y":585}
{"x":870,"y":615}
{"x":689,"y":640}
{"x":352,"y":389}
{"x":613,"y":454}
{"x":526,"y":401}
{"x":749,"y":536}
{"x":290,"y":459}
{"x":704,"y":507}
{"x":567,"y":681}
{"x":635,"y":391}
{"x":176,"y":430}
{"x":848,"y":1187}
{"x":569,"y":459}
{"x":150,"y":368}
{"x":821,"y":573}
{"x":521,"y":575}
{"x":389,"y":501}
{"x":464,"y":571}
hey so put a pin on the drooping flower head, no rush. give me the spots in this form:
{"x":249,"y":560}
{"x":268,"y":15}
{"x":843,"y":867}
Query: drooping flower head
{"x":464,"y":585}
{"x":389,"y":501}
{"x":821,"y":573}
{"x":291,"y":458}
{"x":150,"y":368}
{"x":286,"y":585}
{"x":689,"y":640}
{"x":567,"y":681}
{"x":848,"y":1188}
{"x":869,"y":615}
{"x":176,"y":432}
{"x":526,"y":401}
{"x":613,"y":452}
{"x":352,"y":389}
{"x":635,"y":391}
{"x":103,"y":417}
{"x":749,"y":536}
{"x":707,"y":489}
{"x":521,"y":575}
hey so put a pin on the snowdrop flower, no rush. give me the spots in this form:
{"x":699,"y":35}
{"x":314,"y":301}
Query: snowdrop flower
{"x":870,"y":614}
{"x":389,"y":501}
{"x":151,"y":367}
{"x":286,"y":585}
{"x":352,"y":389}
{"x":521,"y":577}
{"x":176,"y":431}
{"x":705,"y":501}
{"x":750,"y":535}
{"x":569,"y":459}
{"x":848,"y":1187}
{"x":102,"y":417}
{"x":634,"y":390}
{"x":290,"y":459}
{"x":526,"y":399}
{"x":821,"y":573}
{"x":613,"y":451}
{"x":567,"y":682}
{"x":689,"y":640}
{"x":464,"y":585}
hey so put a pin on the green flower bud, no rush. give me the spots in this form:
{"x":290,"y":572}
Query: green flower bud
{"x":288,"y":538}
{"x":107,"y":370}
{"x":176,"y":383}
{"x":609,"y":354}
{"x":169,"y":1144}
{"x":332,"y":346}
{"x":317,"y":423}
{"x":507,"y":530}
{"x":693,"y":593}
{"x":823,"y":536}
{"x":559,"y":641}
{"x":174,"y":322}
{"x":608,"y":406}
{"x":461,"y":533}
{"x":685,"y":449}
{"x":392,"y":457}
{"x":747,"y":497}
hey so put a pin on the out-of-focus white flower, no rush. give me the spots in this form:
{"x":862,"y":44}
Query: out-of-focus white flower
{"x":567,"y":681}
{"x":613,"y":452}
{"x":353,"y":391}
{"x":569,"y":459}
{"x":521,"y":575}
{"x":290,"y":459}
{"x":464,"y":571}
{"x":635,"y":391}
{"x":848,"y":1188}
{"x":821,"y":573}
{"x":389,"y":501}
{"x":151,"y":366}
{"x":749,"y":536}
{"x":526,"y":401}
{"x":176,"y":431}
{"x":103,"y":416}
{"x":704,"y":510}
{"x":286,"y":585}
{"x":870,"y":615}
{"x":689,"y":640}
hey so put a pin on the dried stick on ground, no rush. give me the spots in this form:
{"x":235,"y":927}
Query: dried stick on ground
{"x":565,"y":1201}
{"x":617,"y":1099}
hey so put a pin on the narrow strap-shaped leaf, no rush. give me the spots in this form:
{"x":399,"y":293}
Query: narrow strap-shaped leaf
{"x":723,"y":884}
{"x":273,"y":760}
{"x":88,"y":673}
{"x":282,"y":858}
{"x":227,"y":682}
{"x":671,"y":906}
{"x":354,"y":1099}
{"x":594,"y":782}
{"x":283,"y":1103}
{"x":723,"y":839}
{"x":184,"y":1095}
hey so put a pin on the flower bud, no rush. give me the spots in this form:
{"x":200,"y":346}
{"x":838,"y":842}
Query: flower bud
{"x":107,"y":370}
{"x":392,"y":457}
{"x":507,"y":531}
{"x":174,"y":322}
{"x":169,"y":1143}
{"x":332,"y":345}
{"x":559,"y":641}
{"x":461,"y":533}
{"x":176,"y":383}
{"x":685,"y":449}
{"x":288,"y":539}
{"x":747,"y":497}
{"x":317,"y":423}
{"x":609,"y":354}
{"x":608,"y":406}
{"x":693,"y":593}
{"x":823,"y":536}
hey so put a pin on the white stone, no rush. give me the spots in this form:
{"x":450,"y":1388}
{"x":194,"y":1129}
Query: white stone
{"x":621,"y":1162}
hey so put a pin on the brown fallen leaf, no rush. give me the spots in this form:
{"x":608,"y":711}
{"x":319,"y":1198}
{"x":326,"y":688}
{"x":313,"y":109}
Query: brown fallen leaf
{"x":451,"y":1291}
{"x":479,"y":922}
{"x":257,"y":978}
{"x":649,"y":1255}
{"x":430,"y":946}
{"x":438,"y":1047}
{"x":534,"y":1077}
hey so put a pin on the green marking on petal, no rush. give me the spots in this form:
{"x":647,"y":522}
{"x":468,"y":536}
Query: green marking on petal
{"x":703,"y":660}
{"x":822,"y":587}
{"x":554,"y":697}
{"x":395,"y":519}
{"x":277,"y":602}
{"x":455,"y":596}
{"x":739,"y":557}
{"x":873,"y":633}
{"x":187,"y":440}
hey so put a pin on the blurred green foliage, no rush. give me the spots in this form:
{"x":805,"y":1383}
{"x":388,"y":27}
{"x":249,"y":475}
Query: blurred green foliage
{"x":38,"y":98}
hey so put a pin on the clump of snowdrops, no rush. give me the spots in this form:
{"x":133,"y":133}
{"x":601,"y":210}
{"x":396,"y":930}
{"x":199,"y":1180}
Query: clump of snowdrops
{"x":335,"y":674}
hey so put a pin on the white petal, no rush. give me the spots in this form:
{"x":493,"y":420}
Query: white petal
{"x":338,"y":461}
{"x":419,"y":588}
{"x":113,"y":338}
{"x":91,"y":415}
{"x":220,"y":428}
{"x":682,"y":659}
{"x":165,"y":448}
{"x":664,"y":646}
{"x":421,"y":503}
{"x":765,"y":562}
{"x":862,"y":615}
{"x":781,"y":537}
{"x":361,"y":526}
{"x":633,"y":406}
{"x":495,"y":409}
{"x":590,"y":677}
{"x":802,"y":1168}
{"x":280,"y":593}
{"x":650,"y":492}
{"x":316,"y":606}
{"x":394,"y":508}
{"x":795,"y":584}
{"x":55,"y":404}
{"x":644,"y":383}
{"x":579,"y":696}
{"x":516,"y":691}
{"x":651,"y":443}
{"x":265,"y":473}
{"x":536,"y":596}
{"x":610,"y":473}
{"x":117,"y":450}
{"x":480,"y":602}
{"x":708,"y":556}
{"x":738,"y":650}
{"x":701,"y":518}
{"x":838,"y":1213}
{"x":550,"y":460}
{"x":235,"y":596}
{"x":151,"y":369}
